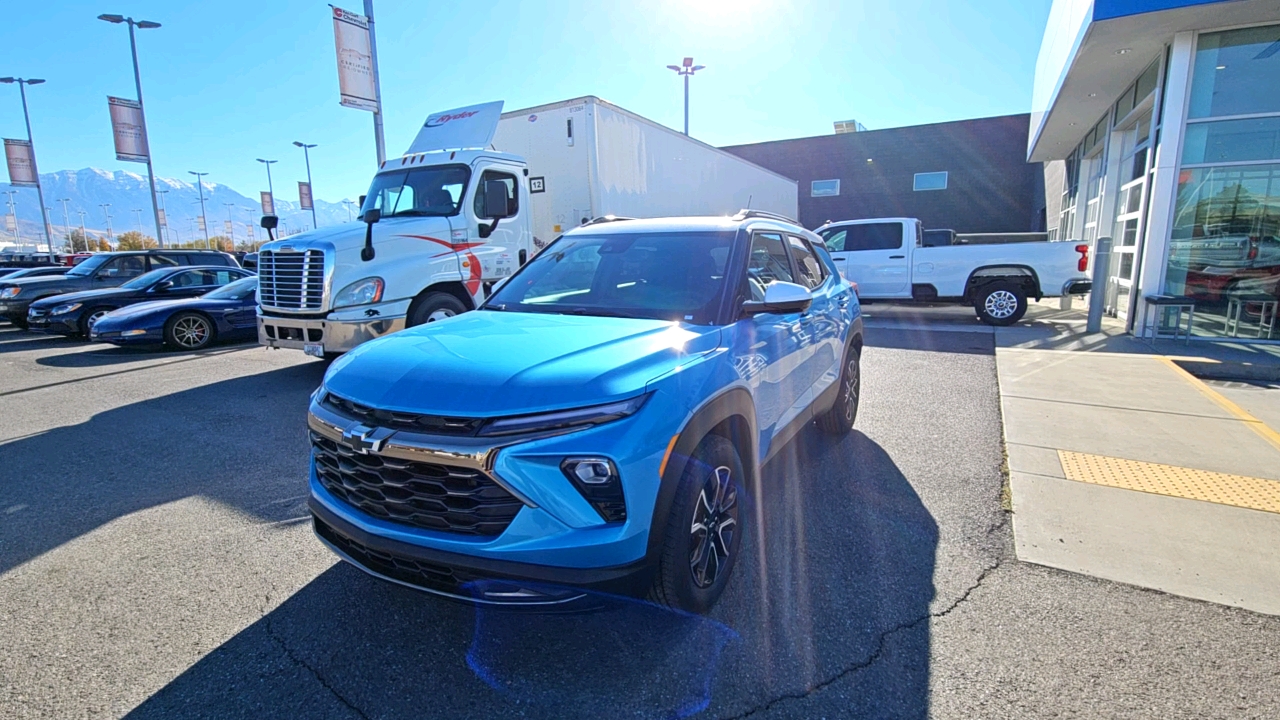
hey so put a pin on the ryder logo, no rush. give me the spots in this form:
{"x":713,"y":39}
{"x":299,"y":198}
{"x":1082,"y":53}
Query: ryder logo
{"x":441,"y":120}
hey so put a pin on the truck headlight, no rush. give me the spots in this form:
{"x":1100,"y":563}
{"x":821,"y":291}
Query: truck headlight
{"x":361,"y":292}
{"x":11,"y":291}
{"x":64,"y":309}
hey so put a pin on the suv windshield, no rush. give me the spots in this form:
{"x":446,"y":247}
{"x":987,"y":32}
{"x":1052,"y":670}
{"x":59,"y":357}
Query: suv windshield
{"x":88,"y":266}
{"x":423,"y":192}
{"x":667,"y":276}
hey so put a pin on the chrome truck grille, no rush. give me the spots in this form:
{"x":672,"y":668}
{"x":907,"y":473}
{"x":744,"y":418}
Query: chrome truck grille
{"x":291,"y":280}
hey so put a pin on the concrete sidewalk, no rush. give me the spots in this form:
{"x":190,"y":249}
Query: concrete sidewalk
{"x":1125,"y":466}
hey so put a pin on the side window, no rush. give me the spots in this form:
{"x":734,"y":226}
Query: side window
{"x":834,"y":239}
{"x":768,"y":263}
{"x":509,"y":181}
{"x":221,"y":277}
{"x":164,"y":261}
{"x":188,"y":279}
{"x":126,"y":266}
{"x":810,"y":268}
{"x":873,"y":236}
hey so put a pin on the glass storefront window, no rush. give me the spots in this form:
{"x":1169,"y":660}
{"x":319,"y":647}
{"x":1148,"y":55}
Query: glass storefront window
{"x":1232,"y":141}
{"x":1237,"y":72}
{"x":1226,"y":244}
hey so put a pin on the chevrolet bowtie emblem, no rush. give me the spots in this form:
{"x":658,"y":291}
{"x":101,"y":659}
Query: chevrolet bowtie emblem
{"x":364,"y":439}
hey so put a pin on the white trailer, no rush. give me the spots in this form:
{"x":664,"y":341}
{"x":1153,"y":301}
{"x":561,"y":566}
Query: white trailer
{"x":588,"y":158}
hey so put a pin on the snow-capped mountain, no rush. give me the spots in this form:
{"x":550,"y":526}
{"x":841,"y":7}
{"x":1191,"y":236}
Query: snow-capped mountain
{"x":124,"y":191}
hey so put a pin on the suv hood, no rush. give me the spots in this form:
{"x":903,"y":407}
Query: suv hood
{"x":487,"y":363}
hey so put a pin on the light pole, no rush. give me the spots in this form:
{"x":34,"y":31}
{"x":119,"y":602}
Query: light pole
{"x":685,"y":70}
{"x":307,"y":156}
{"x":348,"y":203}
{"x":379,"y":145}
{"x":137,"y":81}
{"x":164,"y":215}
{"x":270,"y":190}
{"x":205,"y":220}
{"x":22,"y":90}
{"x":84,"y":235}
{"x":66,"y":220}
{"x":231,"y":218}
{"x":106,"y":210}
{"x":137,"y":216}
{"x":13,"y":210}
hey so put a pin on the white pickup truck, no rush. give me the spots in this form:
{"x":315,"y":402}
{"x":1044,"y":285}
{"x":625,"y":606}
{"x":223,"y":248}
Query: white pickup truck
{"x":887,"y":259}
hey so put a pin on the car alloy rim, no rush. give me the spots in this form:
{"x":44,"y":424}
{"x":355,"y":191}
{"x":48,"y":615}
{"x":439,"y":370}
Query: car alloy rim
{"x":711,"y":534}
{"x":850,"y":388}
{"x":1001,"y":304}
{"x":94,"y":318}
{"x":191,"y":332}
{"x":440,"y":315}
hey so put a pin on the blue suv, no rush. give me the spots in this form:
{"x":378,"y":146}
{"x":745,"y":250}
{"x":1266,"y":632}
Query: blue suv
{"x":597,"y":424}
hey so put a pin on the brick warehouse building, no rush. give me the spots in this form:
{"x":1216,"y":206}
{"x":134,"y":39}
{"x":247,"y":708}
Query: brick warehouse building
{"x":971,"y":176}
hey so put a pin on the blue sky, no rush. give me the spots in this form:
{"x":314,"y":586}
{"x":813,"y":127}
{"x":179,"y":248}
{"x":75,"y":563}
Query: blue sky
{"x":232,"y":81}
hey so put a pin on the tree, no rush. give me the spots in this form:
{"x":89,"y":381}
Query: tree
{"x":98,"y":245}
{"x":134,"y":240}
{"x":76,"y":241}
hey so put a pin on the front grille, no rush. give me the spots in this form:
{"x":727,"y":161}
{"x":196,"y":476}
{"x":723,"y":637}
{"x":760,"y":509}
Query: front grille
{"x":425,"y":495}
{"x":398,"y":567}
{"x":291,"y":280}
{"x":434,"y":424}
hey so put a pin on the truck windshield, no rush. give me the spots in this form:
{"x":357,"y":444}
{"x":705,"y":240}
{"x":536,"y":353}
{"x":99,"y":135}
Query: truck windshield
{"x":667,"y":276}
{"x":423,"y":192}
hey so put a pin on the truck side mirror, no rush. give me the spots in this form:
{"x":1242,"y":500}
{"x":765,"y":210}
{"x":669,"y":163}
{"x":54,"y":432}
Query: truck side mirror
{"x":370,"y":216}
{"x":269,"y":223}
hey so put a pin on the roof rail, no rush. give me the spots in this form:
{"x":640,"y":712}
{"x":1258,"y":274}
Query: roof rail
{"x":605,"y":219}
{"x":744,"y":214}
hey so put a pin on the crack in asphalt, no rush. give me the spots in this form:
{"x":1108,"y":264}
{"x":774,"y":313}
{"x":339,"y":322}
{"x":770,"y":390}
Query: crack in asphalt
{"x":293,"y":657}
{"x":882,"y":639}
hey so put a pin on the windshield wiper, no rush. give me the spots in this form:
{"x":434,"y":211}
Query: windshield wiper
{"x":600,"y":312}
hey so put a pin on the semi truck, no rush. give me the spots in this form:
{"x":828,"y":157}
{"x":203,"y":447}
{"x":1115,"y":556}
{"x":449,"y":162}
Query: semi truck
{"x":476,"y":195}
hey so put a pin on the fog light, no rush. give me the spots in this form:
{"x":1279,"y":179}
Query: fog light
{"x":597,"y":479}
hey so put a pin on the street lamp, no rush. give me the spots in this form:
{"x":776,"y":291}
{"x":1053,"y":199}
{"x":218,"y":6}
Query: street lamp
{"x":307,"y":156}
{"x":13,"y":210}
{"x":84,"y":235}
{"x":106,"y":210}
{"x":685,"y":70}
{"x":137,"y":80}
{"x":231,"y":218}
{"x":270,"y":190}
{"x":22,"y":90}
{"x":348,"y":203}
{"x":164,"y":216}
{"x":204,"y":220}
{"x":66,"y":220}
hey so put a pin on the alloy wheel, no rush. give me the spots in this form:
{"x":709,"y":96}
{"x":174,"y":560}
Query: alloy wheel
{"x":95,"y":317}
{"x":852,"y":382}
{"x":191,"y":332}
{"x":1001,"y":304}
{"x":714,"y":523}
{"x":440,"y":315}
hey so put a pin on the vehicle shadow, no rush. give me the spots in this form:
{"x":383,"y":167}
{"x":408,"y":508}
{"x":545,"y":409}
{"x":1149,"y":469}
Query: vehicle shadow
{"x":833,"y":590}
{"x":105,"y":355}
{"x":15,"y":339}
{"x":238,"y":442}
{"x":972,"y":343}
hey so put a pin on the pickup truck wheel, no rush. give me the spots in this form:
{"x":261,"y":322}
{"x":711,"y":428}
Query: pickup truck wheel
{"x":704,"y":530}
{"x":1001,"y":303}
{"x":839,"y":419}
{"x":435,"y":306}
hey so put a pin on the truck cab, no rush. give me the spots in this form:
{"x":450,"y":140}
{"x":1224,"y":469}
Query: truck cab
{"x":438,"y":229}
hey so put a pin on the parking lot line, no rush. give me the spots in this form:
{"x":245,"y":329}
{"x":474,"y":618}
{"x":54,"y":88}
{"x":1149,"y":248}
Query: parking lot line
{"x":1252,"y":422}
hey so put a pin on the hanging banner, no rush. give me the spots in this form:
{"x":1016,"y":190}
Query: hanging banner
{"x":127,"y":127}
{"x":355,"y":60}
{"x":201,"y":223}
{"x":304,"y":195}
{"x":228,"y":228}
{"x":164,"y":222}
{"x":22,"y":162}
{"x":10,"y":224}
{"x":250,"y":229}
{"x":268,"y":204}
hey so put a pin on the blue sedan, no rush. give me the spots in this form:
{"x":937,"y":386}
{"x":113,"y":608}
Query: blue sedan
{"x":228,"y":313}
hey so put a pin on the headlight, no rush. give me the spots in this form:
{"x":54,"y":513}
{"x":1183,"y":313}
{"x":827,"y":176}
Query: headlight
{"x":11,"y":291}
{"x":565,"y":419}
{"x":135,"y":331}
{"x":360,"y":292}
{"x":64,"y":309}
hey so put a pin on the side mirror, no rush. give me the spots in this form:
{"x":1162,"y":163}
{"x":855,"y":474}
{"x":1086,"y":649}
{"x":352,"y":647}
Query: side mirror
{"x":162,"y":286}
{"x":270,"y":222}
{"x":781,"y":298}
{"x":497,"y":201}
{"x":370,"y":217}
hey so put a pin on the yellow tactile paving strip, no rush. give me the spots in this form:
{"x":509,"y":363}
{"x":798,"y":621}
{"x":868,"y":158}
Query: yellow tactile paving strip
{"x":1214,"y":487}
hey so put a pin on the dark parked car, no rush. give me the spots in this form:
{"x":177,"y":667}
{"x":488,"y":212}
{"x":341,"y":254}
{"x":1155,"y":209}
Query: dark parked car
{"x":10,"y":274}
{"x":76,"y":313}
{"x":103,"y":270}
{"x":228,"y":313}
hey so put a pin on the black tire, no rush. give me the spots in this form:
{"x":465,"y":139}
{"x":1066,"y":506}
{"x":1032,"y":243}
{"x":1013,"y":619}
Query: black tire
{"x":90,"y":316}
{"x":697,"y":558}
{"x":1000,"y":303}
{"x":189,"y":331}
{"x":432,"y":307}
{"x":840,"y":418}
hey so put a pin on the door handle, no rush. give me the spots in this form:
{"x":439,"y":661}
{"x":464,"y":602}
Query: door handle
{"x":896,"y":257}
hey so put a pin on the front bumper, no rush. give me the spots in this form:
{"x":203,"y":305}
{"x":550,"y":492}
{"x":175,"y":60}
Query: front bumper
{"x":54,"y":324}
{"x":325,"y":336}
{"x":14,"y":310}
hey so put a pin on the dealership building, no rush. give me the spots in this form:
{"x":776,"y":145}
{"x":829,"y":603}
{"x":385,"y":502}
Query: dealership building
{"x":1158,"y":123}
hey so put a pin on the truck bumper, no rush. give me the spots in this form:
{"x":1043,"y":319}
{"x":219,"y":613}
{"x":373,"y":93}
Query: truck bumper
{"x":320,"y":337}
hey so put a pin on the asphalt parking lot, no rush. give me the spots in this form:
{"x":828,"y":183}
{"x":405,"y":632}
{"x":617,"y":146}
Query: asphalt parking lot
{"x":156,"y":562}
